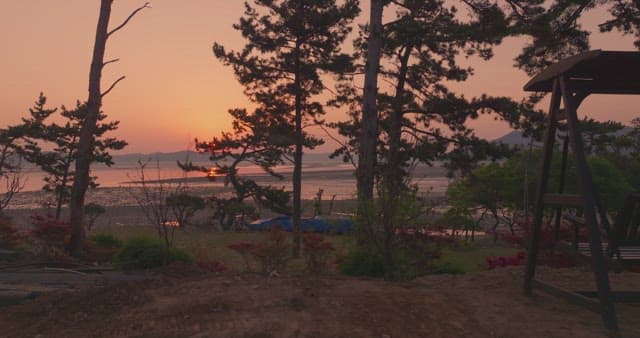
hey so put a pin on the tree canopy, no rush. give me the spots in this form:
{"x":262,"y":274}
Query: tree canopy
{"x":289,"y":46}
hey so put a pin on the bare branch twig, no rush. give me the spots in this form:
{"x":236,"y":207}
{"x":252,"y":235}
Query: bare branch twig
{"x":342,"y":144}
{"x":113,"y":85}
{"x":126,"y":21}
{"x":110,"y":61}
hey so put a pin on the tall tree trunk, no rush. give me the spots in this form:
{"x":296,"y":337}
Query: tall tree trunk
{"x":85,"y":143}
{"x":393,"y":175}
{"x":62,"y":194}
{"x":368,"y":140}
{"x":297,"y":158}
{"x":369,"y":123}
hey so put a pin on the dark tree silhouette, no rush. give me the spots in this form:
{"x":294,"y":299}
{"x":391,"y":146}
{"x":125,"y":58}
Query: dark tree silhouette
{"x":369,"y":131}
{"x":290,"y":44}
{"x":17,"y":144}
{"x":420,"y":119}
{"x":626,"y":18}
{"x":257,"y":138}
{"x":86,"y":140}
{"x":58,"y":163}
{"x":553,"y":29}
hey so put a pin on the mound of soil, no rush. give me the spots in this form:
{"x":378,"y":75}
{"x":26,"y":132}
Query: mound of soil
{"x":487,"y":304}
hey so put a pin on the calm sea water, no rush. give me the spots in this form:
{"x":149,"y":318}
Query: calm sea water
{"x":333,"y":177}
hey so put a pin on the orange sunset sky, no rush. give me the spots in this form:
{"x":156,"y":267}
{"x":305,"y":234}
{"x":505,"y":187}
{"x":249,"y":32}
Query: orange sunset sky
{"x":175,"y":89}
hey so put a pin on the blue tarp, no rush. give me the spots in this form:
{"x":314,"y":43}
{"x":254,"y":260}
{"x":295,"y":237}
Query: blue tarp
{"x":316,"y":224}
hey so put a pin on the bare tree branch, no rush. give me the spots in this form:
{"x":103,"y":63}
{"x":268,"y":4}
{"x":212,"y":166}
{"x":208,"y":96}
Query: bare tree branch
{"x":342,"y":144}
{"x":398,"y":3}
{"x":110,"y":61}
{"x":413,"y":131}
{"x":113,"y":85}
{"x":14,"y":184}
{"x":575,"y":15}
{"x":146,"y":5}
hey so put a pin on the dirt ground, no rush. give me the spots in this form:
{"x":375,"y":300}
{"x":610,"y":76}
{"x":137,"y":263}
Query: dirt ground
{"x":189,"y":304}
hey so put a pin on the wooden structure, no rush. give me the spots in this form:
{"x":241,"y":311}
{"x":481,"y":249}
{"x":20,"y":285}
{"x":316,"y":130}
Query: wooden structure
{"x":570,"y":81}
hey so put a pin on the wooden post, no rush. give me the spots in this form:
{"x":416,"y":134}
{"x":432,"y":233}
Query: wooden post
{"x":563,"y":174}
{"x":549,"y":139}
{"x":588,"y":191}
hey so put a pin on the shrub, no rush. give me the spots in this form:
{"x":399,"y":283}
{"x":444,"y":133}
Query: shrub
{"x":231,"y":213}
{"x":52,"y":236}
{"x":547,"y":253}
{"x":184,"y":206}
{"x":362,"y":262}
{"x":178,"y":255}
{"x":445,"y":268}
{"x":92,"y":211}
{"x":143,"y":252}
{"x":316,"y":250}
{"x":244,"y":249}
{"x":7,"y":233}
{"x":504,"y":261}
{"x":106,"y":241}
{"x":422,"y":248}
{"x":101,"y":248}
{"x":273,"y":253}
{"x":416,"y":253}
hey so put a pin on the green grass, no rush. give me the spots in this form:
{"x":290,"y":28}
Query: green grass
{"x":471,"y":257}
{"x":212,"y":245}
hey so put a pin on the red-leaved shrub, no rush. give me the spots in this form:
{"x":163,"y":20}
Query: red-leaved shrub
{"x":244,"y":249}
{"x":52,"y":235}
{"x":273,"y":253}
{"x":504,"y":261}
{"x":423,"y":246}
{"x":316,"y":252}
{"x":7,"y":234}
{"x":547,"y":252}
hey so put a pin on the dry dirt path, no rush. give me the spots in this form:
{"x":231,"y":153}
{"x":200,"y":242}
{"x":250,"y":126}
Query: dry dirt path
{"x":487,"y":304}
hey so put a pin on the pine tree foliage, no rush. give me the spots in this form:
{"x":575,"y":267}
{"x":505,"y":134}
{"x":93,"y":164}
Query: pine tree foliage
{"x":53,"y":147}
{"x":16,"y":145}
{"x":626,"y":18}
{"x":420,"y":119}
{"x":290,"y":45}
{"x":258,"y":139}
{"x":59,"y":163}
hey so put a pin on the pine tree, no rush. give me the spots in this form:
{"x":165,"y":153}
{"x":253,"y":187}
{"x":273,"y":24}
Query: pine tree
{"x":94,"y":105}
{"x":290,"y":44}
{"x":257,"y":138}
{"x":58,"y":163}
{"x":419,"y":118}
{"x":17,"y":144}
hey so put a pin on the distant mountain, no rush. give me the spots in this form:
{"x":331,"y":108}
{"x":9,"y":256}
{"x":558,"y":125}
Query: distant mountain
{"x":623,"y":131}
{"x":515,"y":138}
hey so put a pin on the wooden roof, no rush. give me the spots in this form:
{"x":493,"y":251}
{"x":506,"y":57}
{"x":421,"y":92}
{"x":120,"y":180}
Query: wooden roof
{"x":596,"y":71}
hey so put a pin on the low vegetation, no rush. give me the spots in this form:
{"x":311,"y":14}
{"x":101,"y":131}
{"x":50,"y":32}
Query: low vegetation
{"x":269,"y":252}
{"x":144,"y":252}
